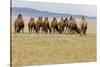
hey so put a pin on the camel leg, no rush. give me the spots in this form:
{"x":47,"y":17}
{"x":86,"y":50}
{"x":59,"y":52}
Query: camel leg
{"x":15,"y":29}
{"x":63,"y":29}
{"x":37,"y":29}
{"x":22,"y":30}
{"x":49,"y":29}
{"x":85,"y":32}
{"x":18,"y":30}
{"x":53,"y":30}
{"x":70,"y":30}
{"x":40,"y":29}
{"x":33,"y":30}
{"x":67,"y":29}
{"x":46,"y":30}
{"x":82,"y":31}
{"x":29,"y":29}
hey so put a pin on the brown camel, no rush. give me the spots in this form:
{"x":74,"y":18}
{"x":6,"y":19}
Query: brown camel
{"x":39,"y":24}
{"x":72,"y":25}
{"x":46,"y":25}
{"x":19,"y":24}
{"x":83,"y":25}
{"x":54,"y":25}
{"x":32,"y":25}
{"x":66,"y":24}
{"x":61,"y":25}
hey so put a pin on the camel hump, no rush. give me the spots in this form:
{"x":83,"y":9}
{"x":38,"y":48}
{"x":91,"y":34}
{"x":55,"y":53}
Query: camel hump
{"x":46,"y":20}
{"x":31,"y":19}
{"x":19,"y":19}
{"x":54,"y":19}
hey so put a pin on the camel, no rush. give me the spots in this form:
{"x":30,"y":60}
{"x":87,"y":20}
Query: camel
{"x":32,"y":25}
{"x":83,"y":25}
{"x":19,"y":24}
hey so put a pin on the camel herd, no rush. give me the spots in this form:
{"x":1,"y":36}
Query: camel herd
{"x":64,"y":25}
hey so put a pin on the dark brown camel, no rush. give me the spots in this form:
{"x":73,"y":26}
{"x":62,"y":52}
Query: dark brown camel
{"x":54,"y":25}
{"x":32,"y":25}
{"x":72,"y":25}
{"x":61,"y":25}
{"x":46,"y":25}
{"x":19,"y":24}
{"x":39,"y":24}
{"x":65,"y":27}
{"x":83,"y":25}
{"x":67,"y":24}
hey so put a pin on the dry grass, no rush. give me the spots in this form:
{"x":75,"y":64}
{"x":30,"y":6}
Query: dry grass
{"x":35,"y":49}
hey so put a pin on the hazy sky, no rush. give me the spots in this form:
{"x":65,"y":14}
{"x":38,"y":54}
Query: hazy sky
{"x":58,"y":7}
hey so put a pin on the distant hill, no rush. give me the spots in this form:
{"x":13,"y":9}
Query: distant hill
{"x":36,"y":13}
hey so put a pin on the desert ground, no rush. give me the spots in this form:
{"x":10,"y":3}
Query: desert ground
{"x":38,"y":49}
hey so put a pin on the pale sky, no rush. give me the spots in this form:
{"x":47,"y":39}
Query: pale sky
{"x":88,"y":10}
